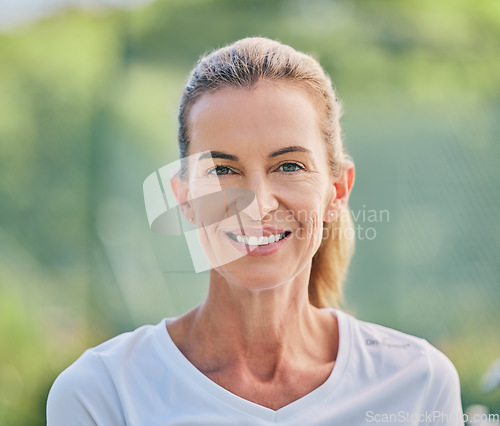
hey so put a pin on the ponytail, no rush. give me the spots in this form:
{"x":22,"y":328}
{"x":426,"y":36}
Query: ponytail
{"x":331,"y":261}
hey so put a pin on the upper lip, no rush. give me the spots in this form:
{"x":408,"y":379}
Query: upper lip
{"x":257,"y":232}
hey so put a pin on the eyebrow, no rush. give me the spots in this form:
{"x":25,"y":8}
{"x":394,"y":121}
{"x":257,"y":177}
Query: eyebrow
{"x":230,"y":157}
{"x":294,"y":148}
{"x":218,"y":154}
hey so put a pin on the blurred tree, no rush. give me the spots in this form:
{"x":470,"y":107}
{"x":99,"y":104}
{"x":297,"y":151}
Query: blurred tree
{"x":87,"y":111}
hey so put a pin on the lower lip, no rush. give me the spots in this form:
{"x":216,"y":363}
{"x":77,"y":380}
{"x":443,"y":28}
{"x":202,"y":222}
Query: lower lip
{"x":255,"y":251}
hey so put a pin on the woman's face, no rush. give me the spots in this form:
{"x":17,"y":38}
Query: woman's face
{"x":268,"y":179}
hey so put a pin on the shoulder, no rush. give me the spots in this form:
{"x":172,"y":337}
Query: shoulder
{"x":83,"y":393}
{"x":88,"y":391}
{"x":371,"y":338}
{"x":389,"y":349}
{"x":407,"y":365}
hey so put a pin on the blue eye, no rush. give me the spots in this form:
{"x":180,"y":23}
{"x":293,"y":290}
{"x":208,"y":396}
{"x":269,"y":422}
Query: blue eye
{"x":290,"y":167}
{"x":220,"y":170}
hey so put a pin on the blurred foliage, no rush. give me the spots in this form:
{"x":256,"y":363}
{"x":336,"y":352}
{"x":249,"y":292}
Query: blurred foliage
{"x":88,"y":109}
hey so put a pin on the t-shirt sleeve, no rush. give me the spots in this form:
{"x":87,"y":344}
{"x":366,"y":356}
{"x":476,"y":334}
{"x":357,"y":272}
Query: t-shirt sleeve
{"x":443,"y":392}
{"x":84,"y":395}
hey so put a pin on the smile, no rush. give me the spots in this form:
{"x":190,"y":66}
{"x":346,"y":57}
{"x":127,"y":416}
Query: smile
{"x":258,"y":241}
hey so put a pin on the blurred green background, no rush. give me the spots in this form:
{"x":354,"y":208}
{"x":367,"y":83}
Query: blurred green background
{"x":88,"y":102}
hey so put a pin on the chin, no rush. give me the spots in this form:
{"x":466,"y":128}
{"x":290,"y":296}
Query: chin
{"x":252,"y":275}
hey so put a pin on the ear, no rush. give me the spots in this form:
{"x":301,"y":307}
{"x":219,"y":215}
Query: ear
{"x":341,"y":192}
{"x":181,"y":192}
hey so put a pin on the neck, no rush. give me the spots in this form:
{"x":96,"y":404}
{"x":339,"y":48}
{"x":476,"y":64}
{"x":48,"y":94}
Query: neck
{"x":266,"y":330}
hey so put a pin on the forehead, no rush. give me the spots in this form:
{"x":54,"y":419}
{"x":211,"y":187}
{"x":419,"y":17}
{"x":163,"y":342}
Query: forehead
{"x":265,"y":117}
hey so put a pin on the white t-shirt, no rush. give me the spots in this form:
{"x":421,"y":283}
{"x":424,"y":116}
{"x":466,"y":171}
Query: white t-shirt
{"x":381,"y":376}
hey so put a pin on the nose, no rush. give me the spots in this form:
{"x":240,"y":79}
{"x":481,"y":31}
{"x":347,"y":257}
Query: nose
{"x":265,"y":200}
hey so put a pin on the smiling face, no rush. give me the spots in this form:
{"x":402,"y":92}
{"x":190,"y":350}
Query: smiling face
{"x":264,"y":148}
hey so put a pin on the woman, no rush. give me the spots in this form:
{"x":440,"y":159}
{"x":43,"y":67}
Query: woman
{"x":260,"y":118}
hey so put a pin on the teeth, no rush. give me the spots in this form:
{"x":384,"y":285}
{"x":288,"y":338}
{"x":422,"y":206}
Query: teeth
{"x":253,"y":241}
{"x":259,"y":241}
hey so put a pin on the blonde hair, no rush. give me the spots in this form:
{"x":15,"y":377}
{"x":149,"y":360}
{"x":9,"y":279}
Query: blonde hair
{"x":241,"y":65}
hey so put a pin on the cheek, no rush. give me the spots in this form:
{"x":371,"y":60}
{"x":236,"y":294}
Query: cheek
{"x":207,"y":200}
{"x":201,"y":187}
{"x":306,"y":202}
{"x":222,"y":208}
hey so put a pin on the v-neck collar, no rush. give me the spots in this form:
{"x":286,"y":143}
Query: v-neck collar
{"x":301,"y":405}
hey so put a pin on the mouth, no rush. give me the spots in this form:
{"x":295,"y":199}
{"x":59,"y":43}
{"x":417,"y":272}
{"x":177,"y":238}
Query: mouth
{"x":258,"y":241}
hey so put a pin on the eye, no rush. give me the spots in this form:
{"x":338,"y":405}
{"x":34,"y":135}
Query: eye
{"x":290,"y":167}
{"x":220,"y":170}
